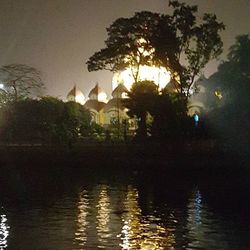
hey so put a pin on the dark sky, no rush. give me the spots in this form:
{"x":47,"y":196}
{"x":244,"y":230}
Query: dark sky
{"x":58,"y":36}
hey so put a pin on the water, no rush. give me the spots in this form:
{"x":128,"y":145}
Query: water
{"x":79,"y":212}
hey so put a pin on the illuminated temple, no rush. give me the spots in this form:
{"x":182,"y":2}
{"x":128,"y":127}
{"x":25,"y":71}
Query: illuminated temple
{"x":106,"y":111}
{"x":103,"y":111}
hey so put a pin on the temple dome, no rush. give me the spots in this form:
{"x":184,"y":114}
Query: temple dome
{"x":76,"y":95}
{"x":97,"y":94}
{"x":94,"y":104}
{"x":120,"y":91}
{"x":115,"y":103}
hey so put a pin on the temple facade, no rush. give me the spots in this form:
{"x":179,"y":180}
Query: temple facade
{"x":103,"y":111}
{"x":106,"y":111}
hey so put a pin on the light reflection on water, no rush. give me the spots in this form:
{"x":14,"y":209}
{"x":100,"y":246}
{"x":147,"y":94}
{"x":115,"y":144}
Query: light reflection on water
{"x":142,"y":232}
{"x":82,"y":222}
{"x":123,"y":221}
{"x":108,"y":217}
{"x":4,"y":231}
{"x":202,"y":225}
{"x":103,"y":216}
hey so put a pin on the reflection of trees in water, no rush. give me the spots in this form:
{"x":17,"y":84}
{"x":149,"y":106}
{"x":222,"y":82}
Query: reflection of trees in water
{"x":4,"y":231}
{"x":143,"y":232}
{"x":82,"y":223}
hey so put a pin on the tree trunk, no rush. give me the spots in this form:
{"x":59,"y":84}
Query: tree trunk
{"x":142,"y":129}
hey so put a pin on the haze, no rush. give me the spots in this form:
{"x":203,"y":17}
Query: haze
{"x":58,"y":36}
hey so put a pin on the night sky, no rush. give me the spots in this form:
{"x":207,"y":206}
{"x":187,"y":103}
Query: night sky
{"x":58,"y":36}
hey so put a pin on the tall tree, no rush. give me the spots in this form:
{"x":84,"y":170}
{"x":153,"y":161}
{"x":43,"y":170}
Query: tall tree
{"x":232,"y":79}
{"x":21,"y":81}
{"x":140,"y":102}
{"x":128,"y":44}
{"x":231,"y":119}
{"x":182,"y":42}
{"x":170,"y":119}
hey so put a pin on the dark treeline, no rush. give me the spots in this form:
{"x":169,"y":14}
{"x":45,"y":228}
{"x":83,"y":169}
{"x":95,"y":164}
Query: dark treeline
{"x":228,"y":97}
{"x":46,"y":120}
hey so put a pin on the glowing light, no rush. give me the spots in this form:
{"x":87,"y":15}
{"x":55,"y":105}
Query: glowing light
{"x":218,"y":94}
{"x":4,"y":231}
{"x":142,"y":43}
{"x":83,"y":206}
{"x":80,"y":99}
{"x":196,"y":118}
{"x":142,"y":232}
{"x":103,"y":215}
{"x":159,"y":75}
{"x":102,"y":97}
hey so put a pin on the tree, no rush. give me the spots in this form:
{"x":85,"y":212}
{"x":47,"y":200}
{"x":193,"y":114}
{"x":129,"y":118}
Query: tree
{"x":239,"y":55}
{"x":21,"y":81}
{"x":180,"y":42}
{"x":46,"y":120}
{"x":170,"y":119}
{"x":128,"y":44}
{"x":232,"y":80}
{"x":140,"y":102}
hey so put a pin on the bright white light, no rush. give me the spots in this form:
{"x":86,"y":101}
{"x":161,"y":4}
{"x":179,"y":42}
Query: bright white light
{"x":159,"y":75}
{"x":102,"y":97}
{"x":1,"y":86}
{"x":80,"y":99}
{"x":4,"y":231}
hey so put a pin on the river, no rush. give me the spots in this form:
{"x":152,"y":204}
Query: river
{"x":133,"y":211}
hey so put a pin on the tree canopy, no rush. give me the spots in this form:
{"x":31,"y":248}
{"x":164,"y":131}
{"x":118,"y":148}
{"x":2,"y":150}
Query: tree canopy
{"x":47,"y":120}
{"x":20,"y":81}
{"x":232,"y":80}
{"x":181,"y":42}
{"x":140,"y":103}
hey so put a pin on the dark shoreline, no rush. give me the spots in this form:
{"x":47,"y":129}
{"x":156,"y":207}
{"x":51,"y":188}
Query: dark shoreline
{"x":28,"y":171}
{"x":199,"y":156}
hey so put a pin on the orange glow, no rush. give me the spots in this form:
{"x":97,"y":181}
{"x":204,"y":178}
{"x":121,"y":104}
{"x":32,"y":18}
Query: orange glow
{"x":159,"y":75}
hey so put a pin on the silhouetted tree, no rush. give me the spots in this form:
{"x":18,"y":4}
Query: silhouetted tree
{"x":46,"y":120}
{"x":140,"y":103}
{"x":181,"y":42}
{"x":128,"y":44}
{"x":232,"y":81}
{"x":170,"y":119}
{"x":20,"y":81}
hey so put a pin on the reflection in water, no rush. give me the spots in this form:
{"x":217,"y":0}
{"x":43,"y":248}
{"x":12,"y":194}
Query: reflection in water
{"x":4,"y":231}
{"x":103,"y":215}
{"x":142,"y":232}
{"x":110,"y":218}
{"x":194,"y":225}
{"x":82,"y":223}
{"x":201,"y":225}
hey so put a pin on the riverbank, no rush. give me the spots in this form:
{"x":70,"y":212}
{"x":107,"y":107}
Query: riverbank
{"x":180,"y":166}
{"x":177,"y":156}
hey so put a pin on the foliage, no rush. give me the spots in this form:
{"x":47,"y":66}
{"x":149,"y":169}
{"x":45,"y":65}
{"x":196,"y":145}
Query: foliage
{"x":161,"y":115}
{"x":170,"y":117}
{"x":233,"y":76}
{"x":232,"y":79}
{"x":125,"y":47}
{"x":21,"y":81}
{"x":140,"y":103}
{"x":181,"y":42}
{"x":46,"y":120}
